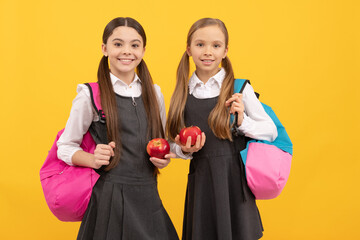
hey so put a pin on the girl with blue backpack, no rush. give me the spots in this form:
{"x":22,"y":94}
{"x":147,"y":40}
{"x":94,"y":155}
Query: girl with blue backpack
{"x":125,"y":203}
{"x":219,"y":204}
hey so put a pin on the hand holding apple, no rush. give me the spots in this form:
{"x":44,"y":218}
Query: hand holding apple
{"x":192,"y":143}
{"x":158,"y":147}
{"x":192,"y":132}
{"x":161,"y":163}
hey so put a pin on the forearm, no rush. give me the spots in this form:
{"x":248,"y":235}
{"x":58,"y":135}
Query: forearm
{"x":260,"y":130}
{"x":83,"y":159}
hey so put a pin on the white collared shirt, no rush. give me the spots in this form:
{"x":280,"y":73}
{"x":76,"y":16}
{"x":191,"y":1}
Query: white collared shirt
{"x":82,"y":114}
{"x":256,"y":124}
{"x":210,"y":89}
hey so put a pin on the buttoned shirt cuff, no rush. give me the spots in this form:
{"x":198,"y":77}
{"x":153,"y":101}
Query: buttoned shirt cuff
{"x":246,"y":123}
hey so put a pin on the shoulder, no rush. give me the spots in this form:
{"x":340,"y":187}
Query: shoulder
{"x":158,"y":91}
{"x":248,"y":88}
{"x":159,"y":96}
{"x":249,"y":94}
{"x":157,"y":88}
{"x":82,"y":89}
{"x":245,"y":85}
{"x":83,"y":96}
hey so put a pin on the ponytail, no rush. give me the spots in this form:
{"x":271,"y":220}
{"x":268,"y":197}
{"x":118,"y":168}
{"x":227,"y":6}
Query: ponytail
{"x":175,"y":119}
{"x":108,"y":103}
{"x":219,"y":118}
{"x":149,"y":97}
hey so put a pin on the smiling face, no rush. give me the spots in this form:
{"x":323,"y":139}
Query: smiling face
{"x":207,"y":48}
{"x":125,"y":50}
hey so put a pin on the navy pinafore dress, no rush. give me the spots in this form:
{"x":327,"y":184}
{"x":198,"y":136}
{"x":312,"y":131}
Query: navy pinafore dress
{"x":125,"y":204}
{"x":219,"y":205}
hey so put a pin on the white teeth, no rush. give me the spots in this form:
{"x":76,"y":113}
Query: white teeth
{"x":125,"y":60}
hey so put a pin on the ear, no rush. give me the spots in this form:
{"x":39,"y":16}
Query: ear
{"x":188,"y":51}
{"x":143,"y":52}
{"x":104,"y":49}
{"x":225,"y":53}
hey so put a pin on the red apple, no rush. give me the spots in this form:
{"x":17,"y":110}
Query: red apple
{"x":192,"y":132}
{"x":158,"y":147}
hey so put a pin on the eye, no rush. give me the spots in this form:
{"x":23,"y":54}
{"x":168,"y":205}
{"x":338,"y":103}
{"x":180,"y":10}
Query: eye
{"x":135,"y":45}
{"x":118,"y":44}
{"x":200,"y":45}
{"x":217,"y":46}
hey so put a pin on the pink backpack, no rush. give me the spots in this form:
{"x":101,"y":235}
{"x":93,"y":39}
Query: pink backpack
{"x":67,"y":189}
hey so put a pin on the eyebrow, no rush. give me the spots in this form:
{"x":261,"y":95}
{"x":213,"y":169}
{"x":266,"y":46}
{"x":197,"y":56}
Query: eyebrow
{"x":119,"y":39}
{"x":216,"y":41}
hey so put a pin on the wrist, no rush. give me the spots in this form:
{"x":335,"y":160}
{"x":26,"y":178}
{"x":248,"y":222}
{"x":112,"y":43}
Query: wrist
{"x":93,"y":162}
{"x":184,"y":152}
{"x":240,"y":120}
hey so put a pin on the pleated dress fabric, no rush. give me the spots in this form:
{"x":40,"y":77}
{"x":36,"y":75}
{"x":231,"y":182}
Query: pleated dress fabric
{"x":125,"y":204}
{"x":219,"y":205}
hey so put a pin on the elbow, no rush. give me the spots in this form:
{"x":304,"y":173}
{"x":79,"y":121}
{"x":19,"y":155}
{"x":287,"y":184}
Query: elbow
{"x":274,"y":132}
{"x":59,"y":150}
{"x":60,"y":154}
{"x":64,"y":154}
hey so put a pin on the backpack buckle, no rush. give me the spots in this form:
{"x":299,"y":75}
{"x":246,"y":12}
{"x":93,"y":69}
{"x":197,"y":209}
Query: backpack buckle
{"x":102,"y":117}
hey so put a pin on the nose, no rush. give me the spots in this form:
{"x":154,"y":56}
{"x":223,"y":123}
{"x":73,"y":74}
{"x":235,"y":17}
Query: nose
{"x":207,"y":51}
{"x":126,"y":50}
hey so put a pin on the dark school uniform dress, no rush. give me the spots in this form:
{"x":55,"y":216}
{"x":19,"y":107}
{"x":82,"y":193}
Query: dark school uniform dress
{"x":219,"y":205}
{"x":125,"y":203}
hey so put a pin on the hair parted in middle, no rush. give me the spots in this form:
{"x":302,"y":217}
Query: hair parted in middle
{"x":219,"y":118}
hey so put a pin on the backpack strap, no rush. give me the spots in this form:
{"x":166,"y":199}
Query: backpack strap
{"x":95,"y":99}
{"x":239,"y":85}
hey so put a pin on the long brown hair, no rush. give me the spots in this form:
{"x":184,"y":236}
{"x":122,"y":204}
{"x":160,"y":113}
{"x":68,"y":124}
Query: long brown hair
{"x":107,"y":94}
{"x":219,"y":117}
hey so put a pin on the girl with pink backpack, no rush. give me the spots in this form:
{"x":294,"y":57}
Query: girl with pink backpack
{"x":124,"y":203}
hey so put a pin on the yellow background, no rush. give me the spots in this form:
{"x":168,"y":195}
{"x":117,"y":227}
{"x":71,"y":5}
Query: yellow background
{"x":302,"y":56}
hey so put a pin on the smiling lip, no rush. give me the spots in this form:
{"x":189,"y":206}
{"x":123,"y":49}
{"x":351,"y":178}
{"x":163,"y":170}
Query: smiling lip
{"x":207,"y":61}
{"x":126,"y":61}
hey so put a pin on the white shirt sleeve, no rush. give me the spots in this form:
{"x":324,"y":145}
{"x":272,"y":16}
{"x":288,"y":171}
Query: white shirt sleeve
{"x":257,"y":124}
{"x":161,"y":102}
{"x":174,"y":148}
{"x":81,"y":116}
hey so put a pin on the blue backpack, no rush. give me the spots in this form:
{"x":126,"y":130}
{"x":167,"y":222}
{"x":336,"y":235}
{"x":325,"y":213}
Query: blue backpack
{"x":267,"y":164}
